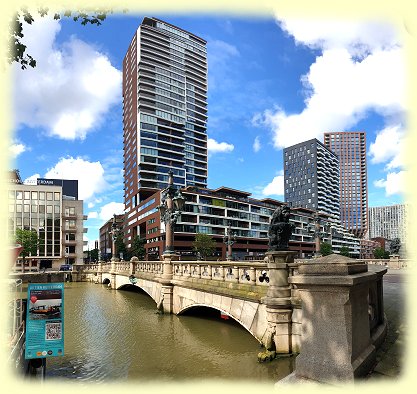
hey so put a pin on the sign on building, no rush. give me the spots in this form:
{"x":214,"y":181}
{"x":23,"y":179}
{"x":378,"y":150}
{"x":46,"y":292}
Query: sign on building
{"x":45,"y":320}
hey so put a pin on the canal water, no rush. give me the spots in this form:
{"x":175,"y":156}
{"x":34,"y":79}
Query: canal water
{"x":115,"y":336}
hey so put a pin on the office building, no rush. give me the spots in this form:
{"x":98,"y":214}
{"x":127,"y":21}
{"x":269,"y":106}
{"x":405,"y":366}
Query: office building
{"x":106,"y":240}
{"x":164,"y":111}
{"x":212,"y":211}
{"x":311,"y":178}
{"x":350,"y":147}
{"x":51,"y":208}
{"x":390,"y":222}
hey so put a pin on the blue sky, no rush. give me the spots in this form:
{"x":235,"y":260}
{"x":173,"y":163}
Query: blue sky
{"x":271,"y":83}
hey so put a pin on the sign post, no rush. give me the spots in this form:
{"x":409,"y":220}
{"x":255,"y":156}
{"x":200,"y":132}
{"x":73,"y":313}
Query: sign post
{"x":45,"y":320}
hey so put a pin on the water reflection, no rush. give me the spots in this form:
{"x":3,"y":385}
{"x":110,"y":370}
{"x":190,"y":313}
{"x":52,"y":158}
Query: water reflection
{"x":117,"y":335}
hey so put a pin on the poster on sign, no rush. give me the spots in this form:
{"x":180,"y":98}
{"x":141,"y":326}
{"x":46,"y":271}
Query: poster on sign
{"x":45,"y":320}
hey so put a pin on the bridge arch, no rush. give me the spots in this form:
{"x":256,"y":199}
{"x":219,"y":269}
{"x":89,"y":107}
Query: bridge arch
{"x":105,"y":281}
{"x":224,"y":312}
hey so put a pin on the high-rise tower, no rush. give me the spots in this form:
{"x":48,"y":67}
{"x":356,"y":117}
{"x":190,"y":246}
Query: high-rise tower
{"x":311,"y":177}
{"x":164,"y":111}
{"x":350,"y":147}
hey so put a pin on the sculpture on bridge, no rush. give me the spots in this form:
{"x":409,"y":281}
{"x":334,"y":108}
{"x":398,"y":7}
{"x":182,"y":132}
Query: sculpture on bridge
{"x":280,"y":229}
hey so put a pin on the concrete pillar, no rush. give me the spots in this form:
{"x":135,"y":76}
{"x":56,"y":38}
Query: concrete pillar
{"x":113,"y":274}
{"x":278,"y":301}
{"x":336,"y":339}
{"x":100,"y":272}
{"x":133,"y":262}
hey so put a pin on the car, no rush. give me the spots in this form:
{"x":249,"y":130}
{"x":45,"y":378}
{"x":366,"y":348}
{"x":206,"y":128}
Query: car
{"x":65,"y":267}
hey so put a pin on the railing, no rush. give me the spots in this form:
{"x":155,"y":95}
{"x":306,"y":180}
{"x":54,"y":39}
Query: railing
{"x":242,"y":272}
{"x":250,"y":273}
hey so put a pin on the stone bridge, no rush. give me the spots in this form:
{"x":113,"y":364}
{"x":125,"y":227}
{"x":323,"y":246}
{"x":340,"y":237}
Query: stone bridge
{"x":235,"y":289}
{"x":309,"y":307}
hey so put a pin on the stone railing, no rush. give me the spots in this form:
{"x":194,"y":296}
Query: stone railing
{"x":242,"y":272}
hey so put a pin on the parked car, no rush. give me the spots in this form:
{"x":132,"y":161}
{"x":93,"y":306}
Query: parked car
{"x":65,"y":267}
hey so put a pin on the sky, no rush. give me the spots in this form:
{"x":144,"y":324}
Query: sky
{"x":272,"y":83}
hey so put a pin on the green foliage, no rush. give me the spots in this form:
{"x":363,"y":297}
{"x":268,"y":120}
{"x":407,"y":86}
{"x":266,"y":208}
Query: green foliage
{"x":395,"y":246}
{"x":204,"y":245}
{"x":137,"y":249}
{"x":344,"y":251}
{"x":380,"y":253}
{"x":325,"y":249}
{"x":93,"y":255}
{"x":29,"y":240}
{"x":121,"y":247}
{"x":17,"y":51}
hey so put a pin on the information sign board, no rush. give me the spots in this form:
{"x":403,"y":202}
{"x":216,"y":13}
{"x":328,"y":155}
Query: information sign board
{"x":45,"y":320}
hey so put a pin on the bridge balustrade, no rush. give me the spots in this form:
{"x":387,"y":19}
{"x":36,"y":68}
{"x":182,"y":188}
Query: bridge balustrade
{"x":252,"y":273}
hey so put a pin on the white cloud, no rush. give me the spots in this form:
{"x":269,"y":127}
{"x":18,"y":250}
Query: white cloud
{"x":32,"y":180}
{"x":90,"y":175}
{"x":71,"y":88}
{"x":221,"y":50}
{"x":276,"y":187}
{"x":214,"y":147}
{"x":358,"y":37}
{"x":393,"y":184}
{"x":388,"y":145}
{"x":92,"y":215}
{"x":107,"y":211}
{"x":16,"y":149}
{"x":354,"y":74}
{"x":256,"y":145}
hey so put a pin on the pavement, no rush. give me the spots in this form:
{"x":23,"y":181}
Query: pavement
{"x":390,"y":356}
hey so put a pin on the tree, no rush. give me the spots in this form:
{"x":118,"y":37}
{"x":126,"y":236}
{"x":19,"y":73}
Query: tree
{"x":204,"y":245}
{"x":379,"y":253}
{"x":344,"y":251}
{"x":137,"y":249}
{"x":121,"y":247}
{"x":395,"y":246}
{"x":17,"y":51}
{"x":29,"y":240}
{"x":93,"y":255}
{"x":325,"y":249}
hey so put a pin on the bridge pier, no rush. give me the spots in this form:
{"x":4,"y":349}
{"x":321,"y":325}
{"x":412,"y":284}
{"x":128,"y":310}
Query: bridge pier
{"x":278,"y":302}
{"x":167,"y":289}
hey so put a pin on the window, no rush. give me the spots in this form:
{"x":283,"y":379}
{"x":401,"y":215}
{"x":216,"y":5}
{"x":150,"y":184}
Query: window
{"x":49,"y":196}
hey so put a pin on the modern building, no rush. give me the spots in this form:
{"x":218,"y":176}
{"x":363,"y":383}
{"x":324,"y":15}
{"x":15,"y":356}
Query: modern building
{"x":105,"y":242}
{"x":51,"y":208}
{"x":350,"y":147}
{"x":164,"y":110}
{"x":311,"y":178}
{"x":367,"y":248}
{"x":212,"y":211}
{"x":390,"y":222}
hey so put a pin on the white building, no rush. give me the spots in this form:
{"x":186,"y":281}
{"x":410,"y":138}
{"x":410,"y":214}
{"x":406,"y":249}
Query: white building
{"x":51,"y":208}
{"x":389,"y":222}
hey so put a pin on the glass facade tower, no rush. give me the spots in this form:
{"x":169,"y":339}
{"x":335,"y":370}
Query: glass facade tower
{"x":350,"y":147}
{"x":311,"y":177}
{"x":164,"y":113}
{"x":165,"y":110}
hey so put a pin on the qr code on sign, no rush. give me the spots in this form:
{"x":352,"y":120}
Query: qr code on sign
{"x":53,"y":331}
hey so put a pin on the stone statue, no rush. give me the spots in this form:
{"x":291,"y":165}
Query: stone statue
{"x":280,"y":229}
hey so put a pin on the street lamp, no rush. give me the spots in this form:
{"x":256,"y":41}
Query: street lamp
{"x":114,"y":232}
{"x":172,"y":205}
{"x":318,"y":235}
{"x":229,"y":239}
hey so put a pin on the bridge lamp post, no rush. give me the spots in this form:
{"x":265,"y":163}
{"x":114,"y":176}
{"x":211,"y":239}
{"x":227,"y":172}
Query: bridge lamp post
{"x":318,"y":235}
{"x":114,"y":232}
{"x":229,"y":239}
{"x":172,"y":205}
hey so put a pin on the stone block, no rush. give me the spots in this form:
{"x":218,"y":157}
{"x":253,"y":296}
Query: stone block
{"x":248,"y":313}
{"x":236,"y":308}
{"x":217,"y":298}
{"x":226,"y":303}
